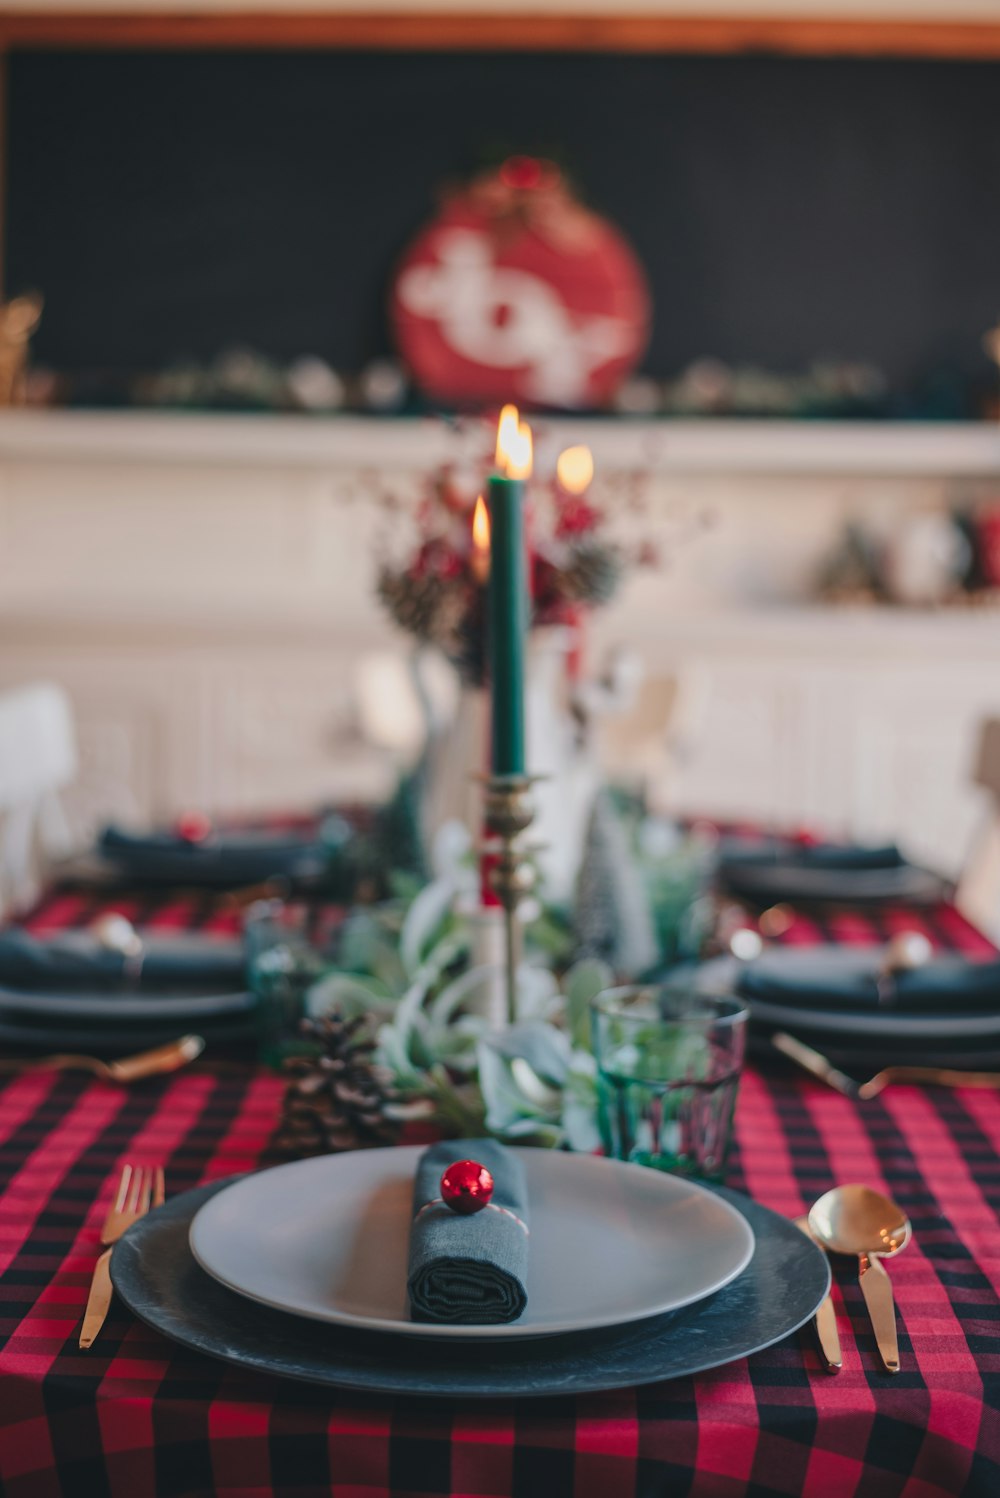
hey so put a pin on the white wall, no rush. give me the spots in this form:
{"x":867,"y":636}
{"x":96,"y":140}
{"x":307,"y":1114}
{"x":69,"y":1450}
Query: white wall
{"x":203,"y":587}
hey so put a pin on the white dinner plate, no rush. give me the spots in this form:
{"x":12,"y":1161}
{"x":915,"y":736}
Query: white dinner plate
{"x":610,"y":1243}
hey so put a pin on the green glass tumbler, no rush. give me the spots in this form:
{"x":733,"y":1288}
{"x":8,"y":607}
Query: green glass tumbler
{"x":282,"y":966}
{"x":668,"y":1068}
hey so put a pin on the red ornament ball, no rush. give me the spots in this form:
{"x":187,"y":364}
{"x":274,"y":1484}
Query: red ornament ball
{"x":194,"y":827}
{"x":466,"y":1187}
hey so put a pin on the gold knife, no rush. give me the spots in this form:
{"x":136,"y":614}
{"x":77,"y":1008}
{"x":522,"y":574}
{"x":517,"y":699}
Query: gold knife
{"x":98,"y":1301}
{"x":876,"y":1287}
{"x":825,"y":1319}
{"x":139,"y":1188}
{"x":811,"y":1061}
{"x":818,"y":1065}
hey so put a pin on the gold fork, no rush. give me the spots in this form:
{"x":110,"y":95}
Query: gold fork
{"x":139,"y":1188}
{"x":165,"y":1058}
{"x":939,"y":1076}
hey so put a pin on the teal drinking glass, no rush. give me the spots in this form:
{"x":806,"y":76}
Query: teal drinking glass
{"x":668,"y":1069}
{"x":282,"y":966}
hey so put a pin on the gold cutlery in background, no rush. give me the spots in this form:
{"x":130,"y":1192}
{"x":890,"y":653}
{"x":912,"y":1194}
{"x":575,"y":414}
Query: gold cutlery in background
{"x":936,"y":1076}
{"x":165,"y":1058}
{"x":825,"y":1319}
{"x":275,"y":888}
{"x":139,"y":1188}
{"x":818,"y":1065}
{"x":812,"y":1062}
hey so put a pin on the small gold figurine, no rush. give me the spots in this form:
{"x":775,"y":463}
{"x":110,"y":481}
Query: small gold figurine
{"x":991,"y":343}
{"x":18,"y":320}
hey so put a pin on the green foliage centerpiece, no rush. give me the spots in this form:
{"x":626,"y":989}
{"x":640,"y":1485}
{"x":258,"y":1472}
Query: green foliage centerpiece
{"x":404,"y":973}
{"x":412,"y":970}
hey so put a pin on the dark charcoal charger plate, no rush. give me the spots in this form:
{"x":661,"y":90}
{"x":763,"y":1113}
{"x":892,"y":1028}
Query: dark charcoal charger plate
{"x":155,"y":1275}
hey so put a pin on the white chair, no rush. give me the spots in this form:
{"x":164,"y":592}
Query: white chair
{"x":977,"y":893}
{"x":37,"y":760}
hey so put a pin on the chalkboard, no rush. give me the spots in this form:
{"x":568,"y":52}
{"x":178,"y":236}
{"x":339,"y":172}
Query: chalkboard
{"x":171,"y":204}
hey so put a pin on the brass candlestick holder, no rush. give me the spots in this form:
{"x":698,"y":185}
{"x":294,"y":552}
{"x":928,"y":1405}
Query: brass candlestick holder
{"x":509,"y":812}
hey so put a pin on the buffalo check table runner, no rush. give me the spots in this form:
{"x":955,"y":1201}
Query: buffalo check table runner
{"x":138,"y":1417}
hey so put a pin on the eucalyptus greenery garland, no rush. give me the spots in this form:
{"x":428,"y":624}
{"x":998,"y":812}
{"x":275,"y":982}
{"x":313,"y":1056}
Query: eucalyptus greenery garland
{"x":407,"y":967}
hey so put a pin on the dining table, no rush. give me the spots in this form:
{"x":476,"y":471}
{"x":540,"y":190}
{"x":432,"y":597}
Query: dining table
{"x":138,"y":1416}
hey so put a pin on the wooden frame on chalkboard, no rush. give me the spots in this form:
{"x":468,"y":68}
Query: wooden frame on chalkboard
{"x":445,"y":31}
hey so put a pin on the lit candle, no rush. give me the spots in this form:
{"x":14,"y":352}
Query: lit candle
{"x":575,"y":469}
{"x":480,"y":561}
{"x":508,"y":596}
{"x":574,"y":476}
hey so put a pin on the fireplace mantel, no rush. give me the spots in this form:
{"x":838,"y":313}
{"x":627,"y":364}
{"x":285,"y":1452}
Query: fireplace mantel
{"x":204,"y":588}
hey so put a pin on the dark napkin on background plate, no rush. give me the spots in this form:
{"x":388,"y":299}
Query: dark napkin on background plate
{"x":468,"y":1270}
{"x":232,"y":858}
{"x":826,"y":856}
{"x":58,"y":963}
{"x":850,"y":980}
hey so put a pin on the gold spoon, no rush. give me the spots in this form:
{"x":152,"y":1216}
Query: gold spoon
{"x":858,"y":1220}
{"x":165,"y":1058}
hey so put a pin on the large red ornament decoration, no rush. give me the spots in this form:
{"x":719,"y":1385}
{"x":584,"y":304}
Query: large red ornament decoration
{"x":516,"y":292}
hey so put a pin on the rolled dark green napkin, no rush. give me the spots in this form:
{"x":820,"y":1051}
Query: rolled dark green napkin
{"x":468,"y":1270}
{"x":69,"y":962}
{"x":228,"y":859}
{"x":804,"y":981}
{"x":833,"y":856}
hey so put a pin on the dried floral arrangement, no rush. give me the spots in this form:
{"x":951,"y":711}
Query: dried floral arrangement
{"x":576,"y":564}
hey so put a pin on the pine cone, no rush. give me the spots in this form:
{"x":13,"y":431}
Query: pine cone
{"x":337,"y":1099}
{"x":592,"y":572}
{"x":441,"y":610}
{"x":416,"y":603}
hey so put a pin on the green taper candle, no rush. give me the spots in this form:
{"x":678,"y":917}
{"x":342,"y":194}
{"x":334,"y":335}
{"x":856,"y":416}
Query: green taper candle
{"x":508,"y":596}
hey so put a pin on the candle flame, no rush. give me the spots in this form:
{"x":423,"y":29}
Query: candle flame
{"x":507,"y":428}
{"x":514,"y":446}
{"x":521,"y":459}
{"x":481,"y":526}
{"x":575,"y":469}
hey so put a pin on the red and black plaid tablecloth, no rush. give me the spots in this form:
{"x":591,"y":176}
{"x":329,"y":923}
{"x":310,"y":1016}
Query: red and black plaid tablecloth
{"x":138,"y":1417}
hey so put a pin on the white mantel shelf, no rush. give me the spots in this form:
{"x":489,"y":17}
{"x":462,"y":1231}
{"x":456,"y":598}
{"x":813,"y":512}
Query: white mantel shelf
{"x":349,"y":442}
{"x":202,"y":586}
